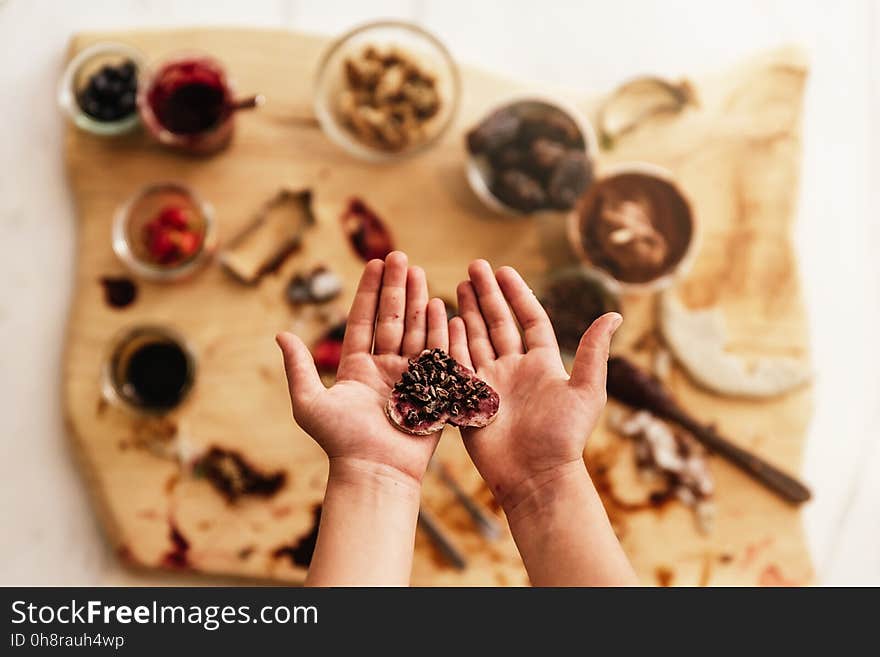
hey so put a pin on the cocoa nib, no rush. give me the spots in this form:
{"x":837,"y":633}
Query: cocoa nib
{"x":234,"y":477}
{"x":435,"y":390}
{"x":300,"y":553}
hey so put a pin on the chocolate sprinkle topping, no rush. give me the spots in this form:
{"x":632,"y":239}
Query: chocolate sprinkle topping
{"x":436,"y":389}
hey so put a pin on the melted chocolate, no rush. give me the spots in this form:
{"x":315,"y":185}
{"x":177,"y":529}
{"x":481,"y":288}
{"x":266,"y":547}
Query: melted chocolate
{"x":157,"y":375}
{"x":668,"y":211}
{"x":119,"y":292}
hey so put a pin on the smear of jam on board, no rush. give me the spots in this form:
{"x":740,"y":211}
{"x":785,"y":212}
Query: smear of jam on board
{"x":327,"y":351}
{"x":367,"y":233}
{"x":177,"y":556}
{"x":234,"y":477}
{"x":300,"y":553}
{"x":119,"y":292}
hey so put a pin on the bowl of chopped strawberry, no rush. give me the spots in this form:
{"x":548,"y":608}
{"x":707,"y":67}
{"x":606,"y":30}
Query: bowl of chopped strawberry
{"x":164,"y":233}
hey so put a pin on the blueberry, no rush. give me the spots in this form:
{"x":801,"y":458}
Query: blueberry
{"x":111,"y":92}
{"x":127,"y":101}
{"x":107,"y":113}
{"x":100,"y":82}
{"x":91,"y":106}
{"x":127,"y":70}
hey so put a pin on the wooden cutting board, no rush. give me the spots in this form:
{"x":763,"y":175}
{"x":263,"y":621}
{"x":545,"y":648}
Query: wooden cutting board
{"x":737,"y":157}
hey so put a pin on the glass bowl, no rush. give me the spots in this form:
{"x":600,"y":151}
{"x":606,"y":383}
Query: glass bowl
{"x":203,"y":142}
{"x":129,"y":225}
{"x":85,"y":64}
{"x":117,"y":384}
{"x":574,"y":297}
{"x":425,"y":49}
{"x":479,"y":171}
{"x":664,"y":279}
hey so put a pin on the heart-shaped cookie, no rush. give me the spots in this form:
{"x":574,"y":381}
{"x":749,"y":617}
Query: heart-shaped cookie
{"x":436,"y":390}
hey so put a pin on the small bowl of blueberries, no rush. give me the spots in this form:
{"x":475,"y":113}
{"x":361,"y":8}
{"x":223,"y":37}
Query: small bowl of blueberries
{"x":98,"y":90}
{"x":532,"y":154}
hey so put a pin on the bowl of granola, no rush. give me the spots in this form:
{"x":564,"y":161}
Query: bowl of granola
{"x":386,"y":90}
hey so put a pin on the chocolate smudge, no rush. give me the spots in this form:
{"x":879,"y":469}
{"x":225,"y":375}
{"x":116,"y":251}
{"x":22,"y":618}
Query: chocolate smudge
{"x":119,"y":292}
{"x":301,"y":552}
{"x":234,"y":477}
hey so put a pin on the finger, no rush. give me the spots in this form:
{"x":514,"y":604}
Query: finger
{"x":392,"y":305}
{"x":415,"y":329}
{"x":438,"y":325}
{"x":529,"y":312}
{"x":499,"y":320}
{"x":479,"y":345}
{"x":362,"y":316}
{"x":458,"y":347}
{"x":303,"y":380}
{"x":590,"y":367}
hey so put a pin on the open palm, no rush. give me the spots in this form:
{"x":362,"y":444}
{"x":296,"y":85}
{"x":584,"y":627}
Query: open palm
{"x":545,"y":416}
{"x":390,"y":321}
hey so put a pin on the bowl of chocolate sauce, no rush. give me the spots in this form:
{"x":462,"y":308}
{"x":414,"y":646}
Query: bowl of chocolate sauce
{"x":634,"y":228}
{"x":151,"y":370}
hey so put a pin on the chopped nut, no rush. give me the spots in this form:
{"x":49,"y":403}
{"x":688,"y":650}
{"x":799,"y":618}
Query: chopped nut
{"x":388,"y":100}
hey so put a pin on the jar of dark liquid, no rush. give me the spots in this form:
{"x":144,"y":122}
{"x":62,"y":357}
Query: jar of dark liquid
{"x":151,"y":370}
{"x":187,"y":104}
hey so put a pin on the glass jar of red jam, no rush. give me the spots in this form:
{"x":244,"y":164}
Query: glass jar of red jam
{"x":187,"y":104}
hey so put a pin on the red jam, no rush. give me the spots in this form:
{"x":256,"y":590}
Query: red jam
{"x":367,"y":233}
{"x":189,"y":96}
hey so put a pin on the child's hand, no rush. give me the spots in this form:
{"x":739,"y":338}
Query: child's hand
{"x":390,"y":321}
{"x":545,"y":417}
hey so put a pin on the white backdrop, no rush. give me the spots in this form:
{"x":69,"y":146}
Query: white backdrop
{"x":49,"y":534}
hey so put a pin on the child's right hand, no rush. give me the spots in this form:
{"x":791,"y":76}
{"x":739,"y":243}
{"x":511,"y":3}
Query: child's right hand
{"x":545,"y":416}
{"x":390,"y":321}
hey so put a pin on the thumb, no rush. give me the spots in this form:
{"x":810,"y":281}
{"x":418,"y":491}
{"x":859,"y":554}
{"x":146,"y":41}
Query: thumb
{"x":590,"y":366}
{"x":302,"y":376}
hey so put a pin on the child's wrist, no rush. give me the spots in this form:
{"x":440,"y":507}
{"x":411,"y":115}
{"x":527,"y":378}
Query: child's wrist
{"x":543,"y":491}
{"x":371,"y":478}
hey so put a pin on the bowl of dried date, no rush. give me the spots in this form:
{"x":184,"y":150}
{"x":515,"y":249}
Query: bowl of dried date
{"x":531,"y":154}
{"x":386,"y":90}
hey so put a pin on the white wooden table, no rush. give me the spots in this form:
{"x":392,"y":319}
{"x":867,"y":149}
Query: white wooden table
{"x":50,"y":535}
